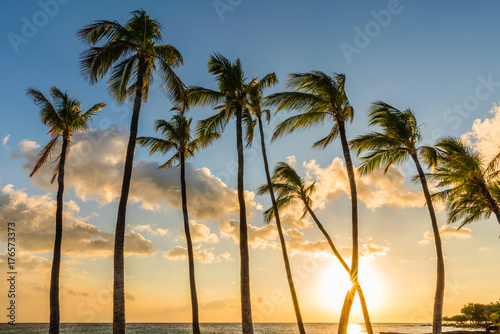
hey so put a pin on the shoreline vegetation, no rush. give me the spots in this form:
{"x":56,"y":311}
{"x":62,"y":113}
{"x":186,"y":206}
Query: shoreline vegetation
{"x":130,"y":56}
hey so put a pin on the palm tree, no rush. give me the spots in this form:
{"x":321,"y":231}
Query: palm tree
{"x":131,"y":52}
{"x":290,"y":186}
{"x":398,"y":142}
{"x":473,"y":191}
{"x":64,"y":117}
{"x":177,"y":137}
{"x":230,"y":100}
{"x":317,"y":97}
{"x":255,"y":96}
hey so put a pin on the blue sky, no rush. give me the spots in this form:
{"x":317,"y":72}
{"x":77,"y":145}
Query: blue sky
{"x":434,"y":57}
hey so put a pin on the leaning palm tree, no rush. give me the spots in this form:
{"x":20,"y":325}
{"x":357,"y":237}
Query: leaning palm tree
{"x":318,"y":97}
{"x":255,"y":96}
{"x":132,"y":53}
{"x":473,"y":186}
{"x":64,"y":117}
{"x":230,"y":100}
{"x":395,"y":144}
{"x":176,"y":136}
{"x":290,"y":187}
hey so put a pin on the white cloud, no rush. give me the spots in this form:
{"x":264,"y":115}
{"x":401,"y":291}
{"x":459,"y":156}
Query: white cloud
{"x":5,"y":140}
{"x":375,"y":190}
{"x":447,"y":232}
{"x":95,"y":168}
{"x":151,"y":229}
{"x":485,"y":134}
{"x":179,"y":253}
{"x":35,"y":223}
{"x":258,"y":237}
{"x":296,"y":244}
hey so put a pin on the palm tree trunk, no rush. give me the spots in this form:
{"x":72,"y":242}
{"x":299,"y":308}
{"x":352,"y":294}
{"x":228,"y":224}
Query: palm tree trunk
{"x":56,"y":261}
{"x":346,"y":308}
{"x":280,"y":233}
{"x":439,"y":296}
{"x":119,"y":326}
{"x":246,"y":308}
{"x":491,"y":201}
{"x":366,"y":315}
{"x":192,"y":282}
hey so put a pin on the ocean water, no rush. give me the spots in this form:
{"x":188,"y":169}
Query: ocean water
{"x":215,"y":328}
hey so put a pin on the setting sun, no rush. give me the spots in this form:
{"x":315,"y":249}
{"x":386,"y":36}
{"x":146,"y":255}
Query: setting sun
{"x":335,"y":283}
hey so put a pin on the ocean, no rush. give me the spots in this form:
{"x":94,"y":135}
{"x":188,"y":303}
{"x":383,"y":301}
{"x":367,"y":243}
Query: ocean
{"x":216,"y":328}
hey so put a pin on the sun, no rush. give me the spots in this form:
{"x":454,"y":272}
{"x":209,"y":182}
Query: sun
{"x":335,"y":282}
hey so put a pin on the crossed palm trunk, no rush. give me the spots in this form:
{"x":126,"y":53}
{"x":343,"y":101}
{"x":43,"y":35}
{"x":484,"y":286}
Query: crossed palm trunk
{"x":280,"y":232}
{"x":346,"y":308}
{"x":356,"y":285}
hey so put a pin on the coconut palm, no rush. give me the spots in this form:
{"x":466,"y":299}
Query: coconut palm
{"x":473,"y":188}
{"x":132,"y":53}
{"x":255,"y":96}
{"x":64,"y":117}
{"x":176,"y":136}
{"x":395,"y":144}
{"x":230,"y":100}
{"x":318,"y":97}
{"x":291,"y":187}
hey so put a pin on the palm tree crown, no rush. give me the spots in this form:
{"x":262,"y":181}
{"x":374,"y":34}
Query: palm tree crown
{"x":176,"y":136}
{"x":473,"y":188}
{"x":64,"y":117}
{"x":130,"y":51}
{"x":397,"y":142}
{"x":318,"y":96}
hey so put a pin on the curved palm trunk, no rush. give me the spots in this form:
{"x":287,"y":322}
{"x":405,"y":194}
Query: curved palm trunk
{"x":56,"y":261}
{"x":439,"y":296}
{"x":356,"y":286}
{"x":491,"y":201}
{"x":192,"y":282}
{"x":119,"y":326}
{"x":280,"y":233}
{"x":346,"y":308}
{"x":246,"y":307}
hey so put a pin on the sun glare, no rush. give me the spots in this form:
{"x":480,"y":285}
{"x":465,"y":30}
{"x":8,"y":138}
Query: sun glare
{"x":335,"y":283}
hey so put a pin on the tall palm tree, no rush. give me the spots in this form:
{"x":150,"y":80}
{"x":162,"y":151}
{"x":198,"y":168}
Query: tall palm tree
{"x":255,"y":96}
{"x":131,"y":52}
{"x":64,"y":117}
{"x":230,"y":100}
{"x":473,"y":188}
{"x":318,"y":97}
{"x":395,"y":144}
{"x":290,"y":186}
{"x":176,"y":136}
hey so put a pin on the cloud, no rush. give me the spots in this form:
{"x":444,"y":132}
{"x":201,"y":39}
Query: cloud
{"x":375,"y":190}
{"x":179,"y":253}
{"x":485,"y":134}
{"x":28,"y":265}
{"x":5,"y":140}
{"x":150,"y":229}
{"x":201,"y":233}
{"x":258,"y":237}
{"x":296,"y":244}
{"x":95,"y":168}
{"x":35,"y":223}
{"x":447,"y":232}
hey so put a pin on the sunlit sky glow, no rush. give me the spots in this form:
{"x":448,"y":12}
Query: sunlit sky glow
{"x":439,"y":58}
